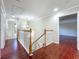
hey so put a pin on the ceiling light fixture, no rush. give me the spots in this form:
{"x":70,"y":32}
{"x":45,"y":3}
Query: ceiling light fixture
{"x":13,"y":16}
{"x":55,"y":9}
{"x":18,"y":0}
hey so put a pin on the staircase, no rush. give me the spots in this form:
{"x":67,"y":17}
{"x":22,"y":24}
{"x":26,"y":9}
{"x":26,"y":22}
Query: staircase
{"x":35,"y":45}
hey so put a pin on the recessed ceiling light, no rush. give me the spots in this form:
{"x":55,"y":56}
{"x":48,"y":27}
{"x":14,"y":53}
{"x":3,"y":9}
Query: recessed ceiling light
{"x":13,"y":16}
{"x":55,"y":9}
{"x":18,"y":0}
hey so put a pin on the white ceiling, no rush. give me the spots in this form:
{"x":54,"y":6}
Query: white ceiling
{"x":37,"y":7}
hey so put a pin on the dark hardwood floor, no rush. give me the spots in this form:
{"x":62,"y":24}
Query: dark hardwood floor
{"x":55,"y":51}
{"x":70,"y":41}
{"x":14,"y":50}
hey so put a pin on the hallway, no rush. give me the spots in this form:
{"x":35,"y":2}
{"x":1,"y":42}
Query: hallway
{"x":42,"y":29}
{"x":14,"y":50}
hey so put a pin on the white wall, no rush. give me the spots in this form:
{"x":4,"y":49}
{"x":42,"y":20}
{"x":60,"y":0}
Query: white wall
{"x":50,"y":23}
{"x":38,"y":29}
{"x":68,"y":29}
{"x":2,"y":31}
{"x":68,"y":26}
{"x":0,"y":28}
{"x":3,"y":24}
{"x":78,"y":32}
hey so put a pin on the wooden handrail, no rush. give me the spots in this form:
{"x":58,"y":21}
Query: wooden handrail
{"x":49,"y":30}
{"x":30,"y":45}
{"x":44,"y":34}
{"x":25,"y":30}
{"x":45,"y":37}
{"x":37,"y":39}
{"x":18,"y":36}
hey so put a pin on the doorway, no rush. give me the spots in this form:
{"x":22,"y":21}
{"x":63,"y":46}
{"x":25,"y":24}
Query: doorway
{"x":68,"y":30}
{"x":11,"y":29}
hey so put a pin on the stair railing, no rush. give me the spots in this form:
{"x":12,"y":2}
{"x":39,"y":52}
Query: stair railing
{"x":30,"y":45}
{"x":45,"y":39}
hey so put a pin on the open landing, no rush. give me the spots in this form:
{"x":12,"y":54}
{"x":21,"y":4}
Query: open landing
{"x":14,"y":50}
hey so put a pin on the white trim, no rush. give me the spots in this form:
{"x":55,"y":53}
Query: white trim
{"x":73,"y":7}
{"x":56,"y":42}
{"x":51,"y":43}
{"x":24,"y":46}
{"x":65,"y":14}
{"x":78,"y":30}
{"x":3,"y":7}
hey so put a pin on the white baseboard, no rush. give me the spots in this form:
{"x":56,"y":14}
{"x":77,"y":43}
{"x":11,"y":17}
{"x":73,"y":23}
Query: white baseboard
{"x":51,"y":43}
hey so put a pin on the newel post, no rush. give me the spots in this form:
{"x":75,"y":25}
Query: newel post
{"x":30,"y":45}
